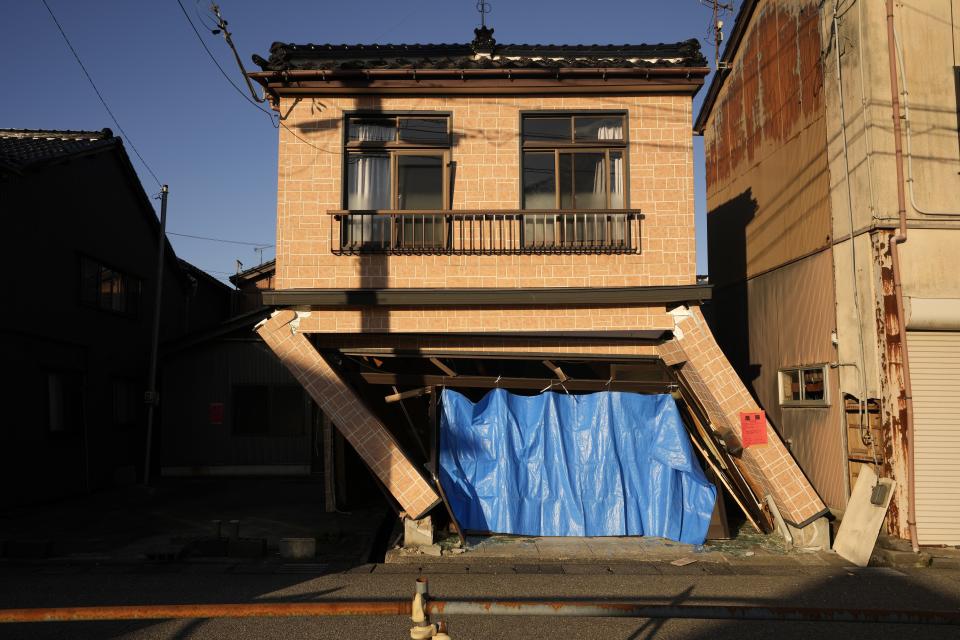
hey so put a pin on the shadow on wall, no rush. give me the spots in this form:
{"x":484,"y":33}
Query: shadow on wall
{"x":727,"y":261}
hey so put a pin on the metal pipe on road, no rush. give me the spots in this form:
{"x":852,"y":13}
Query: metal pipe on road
{"x":584,"y":608}
{"x":193,"y":611}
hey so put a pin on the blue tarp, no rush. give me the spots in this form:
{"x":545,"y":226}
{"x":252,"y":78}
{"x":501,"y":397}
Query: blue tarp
{"x":601,"y":464}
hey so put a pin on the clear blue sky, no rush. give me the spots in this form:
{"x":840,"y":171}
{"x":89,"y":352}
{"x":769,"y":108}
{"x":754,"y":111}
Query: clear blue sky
{"x":215,"y":150}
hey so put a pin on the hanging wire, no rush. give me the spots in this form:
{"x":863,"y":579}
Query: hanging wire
{"x":251,"y":244}
{"x":103,"y":100}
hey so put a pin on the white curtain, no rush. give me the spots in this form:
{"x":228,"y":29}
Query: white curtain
{"x":368,"y":188}
{"x":374,"y":132}
{"x":610,"y":132}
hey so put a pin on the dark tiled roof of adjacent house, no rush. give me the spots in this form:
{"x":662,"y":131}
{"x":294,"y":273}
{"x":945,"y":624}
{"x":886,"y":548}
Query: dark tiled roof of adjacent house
{"x":482,"y":53}
{"x":22,"y":148}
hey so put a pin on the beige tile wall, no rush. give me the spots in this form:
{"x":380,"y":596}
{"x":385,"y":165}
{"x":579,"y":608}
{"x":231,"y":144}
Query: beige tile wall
{"x":486,"y":153}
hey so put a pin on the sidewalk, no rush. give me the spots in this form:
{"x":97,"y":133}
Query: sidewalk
{"x":746,"y":549}
{"x":172,"y":519}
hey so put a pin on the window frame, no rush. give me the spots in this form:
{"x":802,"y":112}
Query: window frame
{"x":784,"y":372}
{"x":394,"y":149}
{"x":130,"y":310}
{"x":594,"y":146}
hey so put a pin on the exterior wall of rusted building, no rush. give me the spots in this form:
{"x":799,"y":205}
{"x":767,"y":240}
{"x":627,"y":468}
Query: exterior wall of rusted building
{"x":864,"y":199}
{"x":769,"y":225}
{"x":803,"y":202}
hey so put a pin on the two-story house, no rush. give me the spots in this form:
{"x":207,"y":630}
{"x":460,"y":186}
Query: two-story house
{"x":833,"y":185}
{"x":475,"y":216}
{"x":82,"y":226}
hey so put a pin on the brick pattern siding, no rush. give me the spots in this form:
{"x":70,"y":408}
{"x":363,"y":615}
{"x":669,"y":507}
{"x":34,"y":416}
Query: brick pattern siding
{"x":380,"y":319}
{"x":359,"y":426}
{"x":724,"y":396}
{"x":486,"y":155}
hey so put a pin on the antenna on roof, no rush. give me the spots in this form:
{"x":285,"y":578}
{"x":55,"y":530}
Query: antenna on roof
{"x":715,"y":32}
{"x":483,"y":8}
{"x":483,"y":42}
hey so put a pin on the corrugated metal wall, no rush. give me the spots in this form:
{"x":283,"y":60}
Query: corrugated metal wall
{"x":207,"y":374}
{"x":791,"y":317}
{"x":935,"y":373}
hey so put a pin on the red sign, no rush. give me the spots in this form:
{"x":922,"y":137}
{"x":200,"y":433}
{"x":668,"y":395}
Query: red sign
{"x":753,"y":428}
{"x":216,"y":413}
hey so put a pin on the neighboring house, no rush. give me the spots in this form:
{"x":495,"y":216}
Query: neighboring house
{"x":232,"y":409}
{"x":482,"y":215}
{"x":76,"y":335}
{"x":851,"y":345}
{"x":252,"y":282}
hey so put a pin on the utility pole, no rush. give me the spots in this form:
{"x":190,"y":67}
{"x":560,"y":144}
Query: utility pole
{"x":715,"y":35}
{"x":151,"y":397}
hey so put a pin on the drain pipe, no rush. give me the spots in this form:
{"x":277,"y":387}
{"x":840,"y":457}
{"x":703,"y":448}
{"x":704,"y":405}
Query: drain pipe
{"x":906,"y":387}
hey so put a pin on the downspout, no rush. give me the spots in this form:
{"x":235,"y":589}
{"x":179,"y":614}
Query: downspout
{"x":906,"y":387}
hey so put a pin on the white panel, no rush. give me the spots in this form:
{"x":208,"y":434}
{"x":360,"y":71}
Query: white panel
{"x":935,"y":373}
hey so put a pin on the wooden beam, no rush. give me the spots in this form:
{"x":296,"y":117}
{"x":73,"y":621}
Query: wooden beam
{"x":491,"y":382}
{"x":557,"y":371}
{"x":443,"y":367}
{"x":397,"y":396}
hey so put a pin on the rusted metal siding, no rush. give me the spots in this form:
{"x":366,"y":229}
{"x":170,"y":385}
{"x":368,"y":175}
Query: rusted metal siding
{"x":766,"y":137}
{"x":896,"y":444}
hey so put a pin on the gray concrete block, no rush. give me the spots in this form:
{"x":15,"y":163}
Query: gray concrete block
{"x":417,"y":533}
{"x":297,"y":548}
{"x":814,"y":537}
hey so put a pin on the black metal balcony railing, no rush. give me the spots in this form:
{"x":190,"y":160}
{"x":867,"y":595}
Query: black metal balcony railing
{"x":486,"y":232}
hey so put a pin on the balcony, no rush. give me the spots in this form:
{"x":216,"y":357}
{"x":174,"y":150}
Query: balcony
{"x":486,"y":232}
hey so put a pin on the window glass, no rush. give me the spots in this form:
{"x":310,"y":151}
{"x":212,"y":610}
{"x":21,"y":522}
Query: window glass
{"x":419,"y":181}
{"x":565,"y":179}
{"x":368,"y":181}
{"x":537,"y":129}
{"x":372,"y":130}
{"x":424,"y":130}
{"x":616,"y":180}
{"x":598,"y":128}
{"x":813,"y":384}
{"x":590,"y":190}
{"x":539,"y":180}
{"x":791,"y":385}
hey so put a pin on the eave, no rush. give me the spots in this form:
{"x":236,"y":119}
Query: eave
{"x":486,"y":297}
{"x":674,"y":80}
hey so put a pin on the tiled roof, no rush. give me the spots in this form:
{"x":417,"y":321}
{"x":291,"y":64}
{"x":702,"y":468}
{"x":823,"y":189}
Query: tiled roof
{"x":284,"y":57}
{"x":21,"y":148}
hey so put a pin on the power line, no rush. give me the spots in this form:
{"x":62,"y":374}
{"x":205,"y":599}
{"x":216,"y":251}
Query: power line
{"x":214,"y":60}
{"x":275,"y":119}
{"x":250,"y":244}
{"x":100,"y":95}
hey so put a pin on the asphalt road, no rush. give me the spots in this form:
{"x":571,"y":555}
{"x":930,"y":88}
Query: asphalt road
{"x":61,"y":585}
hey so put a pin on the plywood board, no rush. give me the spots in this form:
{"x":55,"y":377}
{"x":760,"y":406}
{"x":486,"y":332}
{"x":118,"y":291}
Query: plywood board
{"x":862,"y":519}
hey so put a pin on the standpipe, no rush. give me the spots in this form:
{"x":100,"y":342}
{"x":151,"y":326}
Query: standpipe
{"x":906,"y":386}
